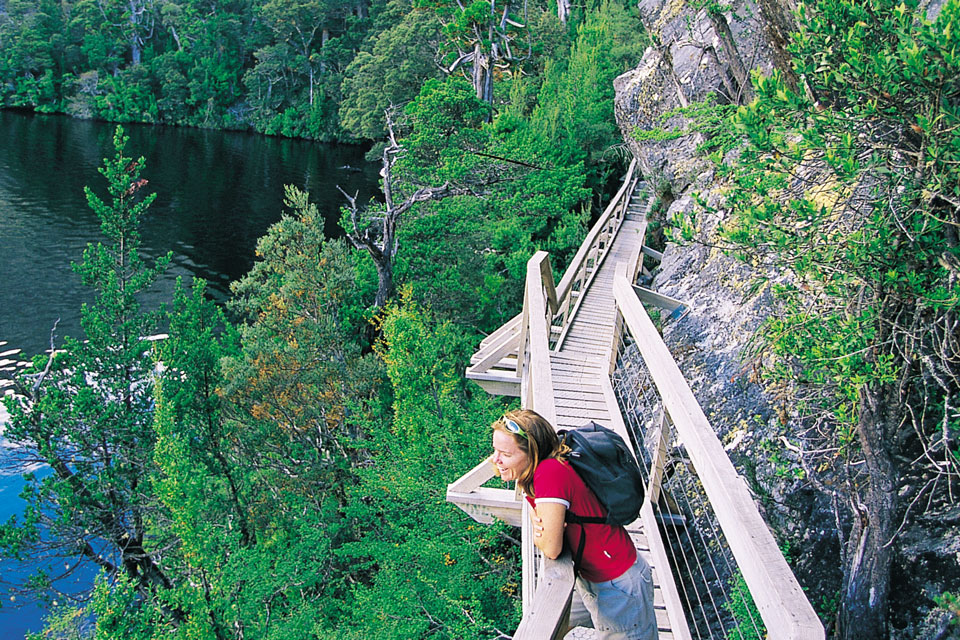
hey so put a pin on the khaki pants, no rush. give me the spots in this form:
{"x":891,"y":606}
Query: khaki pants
{"x":619,"y":609}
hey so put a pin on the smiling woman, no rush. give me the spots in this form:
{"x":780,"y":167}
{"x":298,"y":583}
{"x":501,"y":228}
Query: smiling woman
{"x":614,"y":583}
{"x":508,"y":457}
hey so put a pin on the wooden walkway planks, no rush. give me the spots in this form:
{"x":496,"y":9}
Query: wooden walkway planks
{"x":584,"y":353}
{"x":580,"y":371}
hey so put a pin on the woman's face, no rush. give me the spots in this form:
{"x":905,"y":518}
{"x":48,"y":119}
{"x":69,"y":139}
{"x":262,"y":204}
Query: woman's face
{"x":511,"y":461}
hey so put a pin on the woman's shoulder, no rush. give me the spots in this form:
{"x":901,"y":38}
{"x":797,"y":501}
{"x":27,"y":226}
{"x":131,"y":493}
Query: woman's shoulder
{"x":553,"y":466}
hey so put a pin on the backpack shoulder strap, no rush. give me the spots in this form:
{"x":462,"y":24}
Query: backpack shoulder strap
{"x":573,"y":518}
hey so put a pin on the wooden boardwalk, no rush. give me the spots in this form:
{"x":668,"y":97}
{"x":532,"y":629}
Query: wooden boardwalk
{"x":580,"y":360}
{"x":558,"y":355}
{"x":581,"y":365}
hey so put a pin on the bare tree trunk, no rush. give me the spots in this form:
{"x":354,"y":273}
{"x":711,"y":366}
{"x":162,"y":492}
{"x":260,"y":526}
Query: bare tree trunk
{"x":310,"y":74}
{"x":779,"y":22}
{"x":481,"y":69}
{"x":563,"y":10}
{"x":869,"y":554}
{"x":379,"y":236}
{"x":384,"y":281}
{"x":135,"y":54}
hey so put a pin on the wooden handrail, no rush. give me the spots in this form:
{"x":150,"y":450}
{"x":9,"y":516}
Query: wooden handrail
{"x":586,"y":263}
{"x":549,"y":612}
{"x":536,"y":362}
{"x":784,"y":607}
{"x":568,"y":276}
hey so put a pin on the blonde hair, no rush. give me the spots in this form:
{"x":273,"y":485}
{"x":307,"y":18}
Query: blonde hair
{"x":541,"y":442}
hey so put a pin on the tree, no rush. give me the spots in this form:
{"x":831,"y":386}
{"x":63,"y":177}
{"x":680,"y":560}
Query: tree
{"x":302,"y":371}
{"x":422,"y":569}
{"x":480,"y":38}
{"x":130,"y":21}
{"x":28,"y":35}
{"x":851,"y":192}
{"x":574,"y":115}
{"x":85,"y":411}
{"x":300,"y":26}
{"x":389,"y":74}
{"x":405,"y":181}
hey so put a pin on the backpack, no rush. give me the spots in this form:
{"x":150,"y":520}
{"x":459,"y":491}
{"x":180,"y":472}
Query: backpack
{"x":603,"y":461}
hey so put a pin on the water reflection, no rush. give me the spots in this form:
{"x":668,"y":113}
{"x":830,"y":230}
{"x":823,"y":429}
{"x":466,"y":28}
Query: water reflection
{"x":217,"y":192}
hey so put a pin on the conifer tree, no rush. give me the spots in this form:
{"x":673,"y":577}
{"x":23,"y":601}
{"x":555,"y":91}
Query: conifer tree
{"x":84,"y":411}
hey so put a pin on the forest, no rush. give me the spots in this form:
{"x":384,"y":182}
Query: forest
{"x":275,"y":468}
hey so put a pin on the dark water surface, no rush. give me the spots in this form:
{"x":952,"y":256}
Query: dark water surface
{"x":217,"y":192}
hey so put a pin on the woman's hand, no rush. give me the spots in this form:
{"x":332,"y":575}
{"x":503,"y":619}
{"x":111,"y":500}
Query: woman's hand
{"x":548,"y":528}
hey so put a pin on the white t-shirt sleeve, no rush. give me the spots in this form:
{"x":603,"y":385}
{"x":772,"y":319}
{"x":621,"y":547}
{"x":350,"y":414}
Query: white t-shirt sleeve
{"x":556,"y":500}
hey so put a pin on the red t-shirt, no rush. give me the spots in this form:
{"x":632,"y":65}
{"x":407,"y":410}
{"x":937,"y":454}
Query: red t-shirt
{"x":609,"y":551}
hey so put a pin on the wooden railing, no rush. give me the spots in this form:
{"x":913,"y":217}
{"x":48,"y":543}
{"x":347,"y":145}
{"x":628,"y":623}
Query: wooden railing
{"x":485,"y":503}
{"x":496,"y":365}
{"x":782,"y":605}
{"x":547,"y":614}
{"x":539,"y":307}
{"x":547,"y":584}
{"x":589,"y":257}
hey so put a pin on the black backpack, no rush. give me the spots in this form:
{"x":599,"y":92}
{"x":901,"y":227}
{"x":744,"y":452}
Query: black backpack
{"x":603,"y":461}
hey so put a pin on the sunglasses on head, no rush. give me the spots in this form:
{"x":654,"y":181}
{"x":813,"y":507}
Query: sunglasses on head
{"x":513,"y":427}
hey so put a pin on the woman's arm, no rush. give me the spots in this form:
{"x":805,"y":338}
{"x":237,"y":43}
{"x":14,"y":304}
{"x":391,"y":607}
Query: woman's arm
{"x":548,"y":527}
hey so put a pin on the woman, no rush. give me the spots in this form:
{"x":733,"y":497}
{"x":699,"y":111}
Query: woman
{"x":614,"y":582}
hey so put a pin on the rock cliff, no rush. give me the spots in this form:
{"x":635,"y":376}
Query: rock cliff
{"x":711,"y":47}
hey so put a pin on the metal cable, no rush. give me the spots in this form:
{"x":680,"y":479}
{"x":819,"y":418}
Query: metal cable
{"x":637,"y":396}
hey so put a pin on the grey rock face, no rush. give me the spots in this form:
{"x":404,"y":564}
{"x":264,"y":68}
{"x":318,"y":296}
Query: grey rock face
{"x":697,"y":52}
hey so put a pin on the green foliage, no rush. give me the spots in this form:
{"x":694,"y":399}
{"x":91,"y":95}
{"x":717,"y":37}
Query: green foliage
{"x":951,"y":602}
{"x":746,"y":617}
{"x":119,"y":611}
{"x":86,"y":411}
{"x":710,"y":118}
{"x":478,"y":37}
{"x":434,"y":572}
{"x":446,"y":124}
{"x":65,"y":623}
{"x":869,"y":255}
{"x":301,"y":368}
{"x":466,"y":256}
{"x":275,"y":66}
{"x":543,"y":202}
{"x":573,"y":120}
{"x":398,"y":62}
{"x":200,"y":477}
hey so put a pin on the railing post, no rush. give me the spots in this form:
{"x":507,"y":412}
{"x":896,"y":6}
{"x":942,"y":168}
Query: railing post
{"x":539,"y":394}
{"x":785,"y":610}
{"x":549,"y":612}
{"x":659,"y":457}
{"x":527,"y":557}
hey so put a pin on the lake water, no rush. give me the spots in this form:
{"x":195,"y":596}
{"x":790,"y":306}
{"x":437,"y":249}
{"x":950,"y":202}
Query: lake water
{"x":217,"y":192}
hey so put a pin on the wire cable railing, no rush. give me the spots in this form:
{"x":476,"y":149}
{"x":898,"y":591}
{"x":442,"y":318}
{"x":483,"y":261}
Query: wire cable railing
{"x":718,"y":548}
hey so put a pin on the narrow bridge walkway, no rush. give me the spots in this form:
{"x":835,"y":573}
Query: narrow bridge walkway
{"x":586,"y":350}
{"x":580,"y":362}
